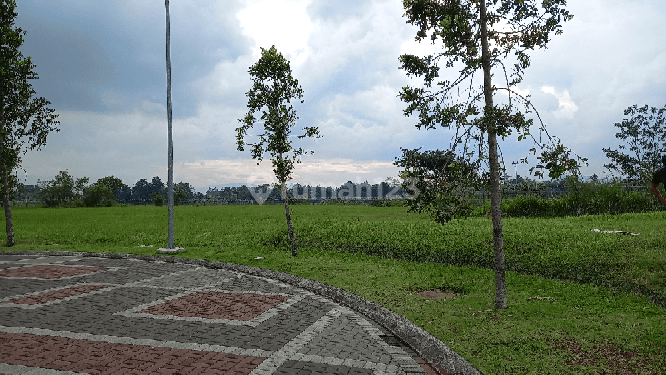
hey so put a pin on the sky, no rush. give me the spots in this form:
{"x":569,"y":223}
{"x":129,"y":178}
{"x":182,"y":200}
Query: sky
{"x":102,"y":66}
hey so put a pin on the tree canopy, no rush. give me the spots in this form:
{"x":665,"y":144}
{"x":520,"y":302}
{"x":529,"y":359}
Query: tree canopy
{"x":25,"y":122}
{"x":273,"y":88}
{"x":516,"y":26}
{"x":64,"y":189}
{"x":645,"y":133}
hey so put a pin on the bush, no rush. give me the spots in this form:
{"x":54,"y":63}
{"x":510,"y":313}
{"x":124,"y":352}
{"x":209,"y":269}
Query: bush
{"x":295,"y":201}
{"x":637,"y":202}
{"x":158,"y":199}
{"x":389,"y":203}
{"x":582,"y":199}
{"x":526,"y":207}
{"x":98,"y":195}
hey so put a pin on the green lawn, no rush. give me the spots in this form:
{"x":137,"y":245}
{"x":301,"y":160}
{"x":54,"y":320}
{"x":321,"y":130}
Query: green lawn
{"x":593,"y":316}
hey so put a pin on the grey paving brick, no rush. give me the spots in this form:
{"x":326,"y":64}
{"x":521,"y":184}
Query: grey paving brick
{"x":306,"y":333}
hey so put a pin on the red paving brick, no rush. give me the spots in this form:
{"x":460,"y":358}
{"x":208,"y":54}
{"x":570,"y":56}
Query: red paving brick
{"x":216,"y":305}
{"x":96,"y":357}
{"x":48,"y":271}
{"x":432,"y":369}
{"x":56,"y":294}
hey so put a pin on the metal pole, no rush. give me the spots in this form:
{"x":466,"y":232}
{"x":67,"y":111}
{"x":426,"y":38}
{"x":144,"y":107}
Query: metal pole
{"x":170,"y":248}
{"x":170,"y":181}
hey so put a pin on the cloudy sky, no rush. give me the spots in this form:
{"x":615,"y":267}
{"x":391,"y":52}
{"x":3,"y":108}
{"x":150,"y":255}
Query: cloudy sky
{"x":102,"y":66}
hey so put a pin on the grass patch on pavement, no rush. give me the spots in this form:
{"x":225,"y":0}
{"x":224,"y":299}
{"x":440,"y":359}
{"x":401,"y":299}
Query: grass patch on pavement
{"x":578,"y":301}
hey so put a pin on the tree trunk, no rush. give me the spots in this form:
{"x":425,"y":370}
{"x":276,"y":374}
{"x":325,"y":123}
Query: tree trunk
{"x":9,"y":224}
{"x":285,"y":196}
{"x":495,"y":197}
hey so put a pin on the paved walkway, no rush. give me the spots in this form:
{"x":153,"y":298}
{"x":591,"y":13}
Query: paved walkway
{"x":81,"y":313}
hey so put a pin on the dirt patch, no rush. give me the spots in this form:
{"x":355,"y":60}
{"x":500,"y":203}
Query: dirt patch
{"x":436,"y":294}
{"x":618,"y":361}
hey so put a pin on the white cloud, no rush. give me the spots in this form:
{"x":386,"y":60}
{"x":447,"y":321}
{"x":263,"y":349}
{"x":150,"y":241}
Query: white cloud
{"x":520,"y":92}
{"x":323,"y":172}
{"x":371,"y":41}
{"x":422,"y":48}
{"x":567,"y":107}
{"x":515,"y":90}
{"x":283,"y":23}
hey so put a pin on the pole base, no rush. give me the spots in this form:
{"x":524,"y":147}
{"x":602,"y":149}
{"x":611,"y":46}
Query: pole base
{"x":175,"y":250}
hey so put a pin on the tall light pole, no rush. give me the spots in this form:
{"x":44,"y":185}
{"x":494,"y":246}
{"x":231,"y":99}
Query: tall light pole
{"x":515,"y":170}
{"x":170,"y":248}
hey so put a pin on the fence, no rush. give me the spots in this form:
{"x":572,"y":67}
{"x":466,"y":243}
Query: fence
{"x":25,"y":203}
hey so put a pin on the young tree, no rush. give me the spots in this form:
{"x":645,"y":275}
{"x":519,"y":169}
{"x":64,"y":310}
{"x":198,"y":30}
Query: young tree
{"x":466,"y":28}
{"x":646,"y":134}
{"x":24,"y":120}
{"x":273,"y":89}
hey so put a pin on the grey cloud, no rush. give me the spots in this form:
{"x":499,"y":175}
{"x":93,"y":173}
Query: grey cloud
{"x":87,"y":52}
{"x":66,"y":81}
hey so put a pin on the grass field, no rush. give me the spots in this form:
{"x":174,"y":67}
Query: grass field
{"x":601,"y":296}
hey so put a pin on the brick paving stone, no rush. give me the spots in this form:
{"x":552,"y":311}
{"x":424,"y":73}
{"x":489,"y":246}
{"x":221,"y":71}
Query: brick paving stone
{"x":64,"y":354}
{"x":213,"y":305}
{"x":97,"y":315}
{"x":48,"y":271}
{"x":56,"y":294}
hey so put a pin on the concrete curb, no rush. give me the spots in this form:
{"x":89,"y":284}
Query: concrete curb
{"x":427,"y":346}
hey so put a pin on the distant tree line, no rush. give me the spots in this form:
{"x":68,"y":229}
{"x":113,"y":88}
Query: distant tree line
{"x":66,"y":191}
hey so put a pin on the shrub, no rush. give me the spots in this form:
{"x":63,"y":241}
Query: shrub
{"x":526,"y":207}
{"x":383,"y":202}
{"x":637,"y":202}
{"x":295,"y":201}
{"x":582,"y":199}
{"x":179,"y":195}
{"x":158,"y":199}
{"x":98,"y":195}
